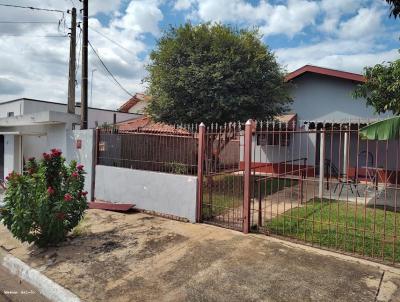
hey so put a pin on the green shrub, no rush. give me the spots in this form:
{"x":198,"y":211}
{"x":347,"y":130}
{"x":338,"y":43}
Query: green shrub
{"x":46,"y":201}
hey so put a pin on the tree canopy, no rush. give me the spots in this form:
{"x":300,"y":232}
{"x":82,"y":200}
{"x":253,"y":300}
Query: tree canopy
{"x":382,"y":87}
{"x":214,"y":73}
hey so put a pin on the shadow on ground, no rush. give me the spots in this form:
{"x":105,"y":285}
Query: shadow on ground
{"x":136,"y":257}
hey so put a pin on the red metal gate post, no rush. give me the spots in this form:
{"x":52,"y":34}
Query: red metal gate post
{"x":200,"y":167}
{"x":247,"y":173}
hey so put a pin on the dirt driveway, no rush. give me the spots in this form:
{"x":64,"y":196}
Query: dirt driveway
{"x":137,"y":257}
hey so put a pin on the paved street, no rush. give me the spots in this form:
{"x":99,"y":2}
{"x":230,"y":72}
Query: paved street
{"x":12,"y":289}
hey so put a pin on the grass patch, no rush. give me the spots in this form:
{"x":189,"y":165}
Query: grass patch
{"x":225,"y":192}
{"x":340,"y":225}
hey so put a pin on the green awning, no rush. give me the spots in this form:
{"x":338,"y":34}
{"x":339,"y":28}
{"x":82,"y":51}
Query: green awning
{"x":382,"y":130}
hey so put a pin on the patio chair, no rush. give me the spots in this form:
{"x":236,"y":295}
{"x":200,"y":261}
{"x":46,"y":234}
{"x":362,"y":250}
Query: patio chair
{"x":343,"y":180}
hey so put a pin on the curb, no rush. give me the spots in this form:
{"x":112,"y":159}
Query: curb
{"x":47,"y":287}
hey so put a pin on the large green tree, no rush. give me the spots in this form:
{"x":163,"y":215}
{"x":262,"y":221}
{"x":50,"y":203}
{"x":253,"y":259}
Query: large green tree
{"x":214,"y":73}
{"x":382,"y":87}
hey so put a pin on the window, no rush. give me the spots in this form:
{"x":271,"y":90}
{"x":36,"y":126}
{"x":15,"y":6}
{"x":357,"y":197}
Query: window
{"x":10,"y":114}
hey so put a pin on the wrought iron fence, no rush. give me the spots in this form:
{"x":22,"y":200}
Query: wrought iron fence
{"x":169,"y":152}
{"x":316,"y":183}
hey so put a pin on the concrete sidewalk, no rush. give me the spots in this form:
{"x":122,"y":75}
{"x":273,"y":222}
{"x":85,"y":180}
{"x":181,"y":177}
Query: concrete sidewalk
{"x":12,"y":289}
{"x":137,"y":257}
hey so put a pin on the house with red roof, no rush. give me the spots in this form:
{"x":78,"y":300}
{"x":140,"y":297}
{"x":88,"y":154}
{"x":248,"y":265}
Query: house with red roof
{"x":320,"y":96}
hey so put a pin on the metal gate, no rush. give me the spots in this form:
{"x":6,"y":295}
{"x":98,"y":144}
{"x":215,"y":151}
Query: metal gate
{"x":222,"y":192}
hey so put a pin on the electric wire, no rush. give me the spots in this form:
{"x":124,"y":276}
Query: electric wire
{"x":108,"y":71}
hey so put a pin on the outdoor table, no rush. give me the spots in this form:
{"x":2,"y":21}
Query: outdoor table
{"x":373,"y":173}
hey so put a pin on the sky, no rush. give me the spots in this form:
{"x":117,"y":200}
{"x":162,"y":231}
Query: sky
{"x":341,"y":34}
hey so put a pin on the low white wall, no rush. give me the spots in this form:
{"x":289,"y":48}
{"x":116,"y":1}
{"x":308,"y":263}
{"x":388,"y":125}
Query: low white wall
{"x":160,"y":192}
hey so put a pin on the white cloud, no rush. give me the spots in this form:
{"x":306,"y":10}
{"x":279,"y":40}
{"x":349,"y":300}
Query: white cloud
{"x":336,"y":54}
{"x":289,"y":18}
{"x":10,"y":86}
{"x":102,"y":6}
{"x":183,"y":4}
{"x":37,"y":67}
{"x":366,"y":23}
{"x":141,"y":16}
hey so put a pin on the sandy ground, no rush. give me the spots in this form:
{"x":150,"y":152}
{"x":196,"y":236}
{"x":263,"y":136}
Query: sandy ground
{"x":137,"y":257}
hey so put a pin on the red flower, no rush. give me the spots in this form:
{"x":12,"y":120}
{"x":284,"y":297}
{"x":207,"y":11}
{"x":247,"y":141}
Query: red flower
{"x":80,"y":194}
{"x":46,"y":156}
{"x":79,"y":167}
{"x":67,"y":197}
{"x":56,"y":152}
{"x":75,"y":174}
{"x":50,"y":191}
{"x":31,"y":159}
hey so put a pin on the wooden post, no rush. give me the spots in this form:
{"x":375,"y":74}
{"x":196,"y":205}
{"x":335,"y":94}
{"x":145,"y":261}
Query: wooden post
{"x":72,"y":63}
{"x":247,"y":174}
{"x":200,"y":167}
{"x":84,"y":86}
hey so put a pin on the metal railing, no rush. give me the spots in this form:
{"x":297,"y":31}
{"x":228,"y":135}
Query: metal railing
{"x":153,"y":151}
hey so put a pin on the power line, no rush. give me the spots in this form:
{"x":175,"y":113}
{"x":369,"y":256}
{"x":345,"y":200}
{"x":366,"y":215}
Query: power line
{"x":110,"y":73}
{"x":27,"y":36}
{"x":111,"y":40}
{"x":32,"y":8}
{"x":27,"y":22}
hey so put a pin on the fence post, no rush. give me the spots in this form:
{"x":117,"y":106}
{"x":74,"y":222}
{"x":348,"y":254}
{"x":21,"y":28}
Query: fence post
{"x":200,"y":167}
{"x":247,"y":173}
{"x":321,"y":165}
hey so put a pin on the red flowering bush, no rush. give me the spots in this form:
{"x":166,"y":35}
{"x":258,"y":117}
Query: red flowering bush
{"x":46,"y":201}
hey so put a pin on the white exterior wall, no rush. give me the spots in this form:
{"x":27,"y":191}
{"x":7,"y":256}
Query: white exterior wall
{"x":319,"y":98}
{"x":16,"y":107}
{"x":34,"y":146}
{"x":26,"y":106}
{"x":11,"y":147}
{"x":301,"y":145}
{"x":160,"y":192}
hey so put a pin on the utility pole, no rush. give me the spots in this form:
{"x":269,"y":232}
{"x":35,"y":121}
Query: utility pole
{"x":72,"y":63}
{"x":84,"y":93}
